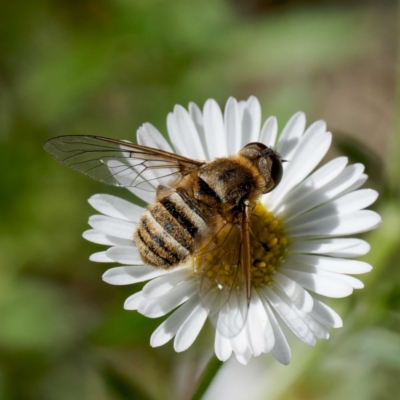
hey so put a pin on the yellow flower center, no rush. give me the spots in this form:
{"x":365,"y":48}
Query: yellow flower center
{"x":268,"y":245}
{"x":215,"y":261}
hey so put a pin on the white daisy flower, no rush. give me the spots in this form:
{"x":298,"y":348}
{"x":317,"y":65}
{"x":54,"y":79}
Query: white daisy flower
{"x":305,"y":221}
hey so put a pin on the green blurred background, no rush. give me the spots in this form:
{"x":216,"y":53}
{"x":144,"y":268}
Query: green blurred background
{"x":106,"y":66}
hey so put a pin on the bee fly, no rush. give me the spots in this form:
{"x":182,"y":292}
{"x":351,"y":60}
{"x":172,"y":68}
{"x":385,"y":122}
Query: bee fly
{"x":202,"y":208}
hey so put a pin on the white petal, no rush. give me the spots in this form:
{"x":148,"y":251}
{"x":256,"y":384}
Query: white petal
{"x":332,"y":247}
{"x":319,"y":330}
{"x":232,"y":316}
{"x":125,"y":177}
{"x":338,"y":265}
{"x":240,"y":343}
{"x":357,"y":184}
{"x":167,"y":330}
{"x":326,"y":193}
{"x":300,"y":297}
{"x":190,"y":329}
{"x":315,"y":181}
{"x":242,"y":106}
{"x":240,"y":346}
{"x":125,"y":255}
{"x":133,"y":302}
{"x":127,"y":173}
{"x":343,"y":181}
{"x":115,"y":207}
{"x":148,"y":135}
{"x":281,"y":350}
{"x":197,"y":117}
{"x":290,"y":136}
{"x":170,"y":300}
{"x":183,"y":134}
{"x":334,"y":225}
{"x":343,"y":205}
{"x":214,"y":130}
{"x":269,"y":337}
{"x":95,"y":236}
{"x":309,"y":153}
{"x":269,"y":132}
{"x":131,"y":274}
{"x":148,"y":197}
{"x":326,"y":315}
{"x":244,"y":357}
{"x":165,"y":283}
{"x":100,"y":257}
{"x":251,"y":121}
{"x":112,"y":226}
{"x":256,"y":324}
{"x":318,"y":283}
{"x":292,"y":264}
{"x":350,"y":202}
{"x":232,"y":122}
{"x":293,"y":321}
{"x":222,"y":347}
{"x":353,"y":282}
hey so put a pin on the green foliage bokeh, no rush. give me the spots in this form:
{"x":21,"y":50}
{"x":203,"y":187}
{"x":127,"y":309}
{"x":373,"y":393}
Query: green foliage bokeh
{"x":105,"y":67}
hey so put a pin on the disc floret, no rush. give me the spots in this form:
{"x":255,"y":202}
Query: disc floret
{"x":217,"y":260}
{"x":268,"y":245}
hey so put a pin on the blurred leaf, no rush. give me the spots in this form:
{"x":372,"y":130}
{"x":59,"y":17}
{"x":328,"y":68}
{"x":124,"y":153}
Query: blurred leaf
{"x":359,"y":152}
{"x":65,"y":77}
{"x":37,"y":316}
{"x":105,"y":67}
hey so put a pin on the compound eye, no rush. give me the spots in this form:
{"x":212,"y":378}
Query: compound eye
{"x":255,"y":146}
{"x":276,"y":170}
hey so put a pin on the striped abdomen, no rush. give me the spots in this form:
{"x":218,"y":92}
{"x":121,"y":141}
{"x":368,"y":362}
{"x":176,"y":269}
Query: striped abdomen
{"x":165,"y":234}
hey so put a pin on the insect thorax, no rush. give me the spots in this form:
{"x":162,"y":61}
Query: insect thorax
{"x":229,"y":180}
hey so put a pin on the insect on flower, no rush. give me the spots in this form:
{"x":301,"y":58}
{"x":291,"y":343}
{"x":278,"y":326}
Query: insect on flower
{"x":202,"y":212}
{"x":232,"y":233}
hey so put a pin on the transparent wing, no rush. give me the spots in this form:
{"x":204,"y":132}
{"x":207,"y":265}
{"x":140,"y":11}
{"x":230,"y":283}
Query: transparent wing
{"x":222,"y":269}
{"x":120,"y":163}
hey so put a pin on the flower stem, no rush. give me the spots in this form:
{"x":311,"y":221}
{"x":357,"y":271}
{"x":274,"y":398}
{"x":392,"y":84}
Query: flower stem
{"x":207,"y":377}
